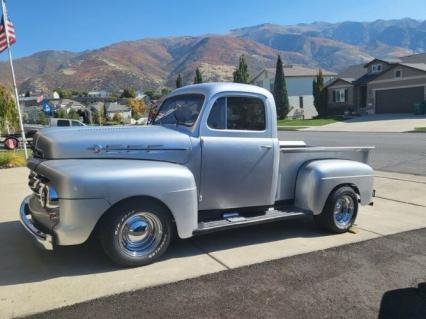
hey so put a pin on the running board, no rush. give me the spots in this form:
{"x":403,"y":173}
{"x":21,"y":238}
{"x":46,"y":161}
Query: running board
{"x":240,"y":221}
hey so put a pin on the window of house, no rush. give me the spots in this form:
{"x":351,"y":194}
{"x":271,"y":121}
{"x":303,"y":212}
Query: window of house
{"x":376,"y":68}
{"x":238,"y":113}
{"x":340,"y":95}
{"x":301,"y":102}
{"x":398,"y":73}
{"x":259,"y":83}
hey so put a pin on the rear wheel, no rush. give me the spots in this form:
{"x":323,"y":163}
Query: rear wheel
{"x":136,"y":234}
{"x":340,"y":211}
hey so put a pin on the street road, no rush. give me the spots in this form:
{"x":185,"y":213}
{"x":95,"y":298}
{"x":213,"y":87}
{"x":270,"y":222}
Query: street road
{"x":380,"y":278}
{"x":395,"y":152}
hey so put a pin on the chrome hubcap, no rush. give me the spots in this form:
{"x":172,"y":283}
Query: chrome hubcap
{"x":140,"y":234}
{"x":344,"y":211}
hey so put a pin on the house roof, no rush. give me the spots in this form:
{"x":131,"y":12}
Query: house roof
{"x":353,"y":72}
{"x":331,"y":82}
{"x":69,"y":103}
{"x":417,"y":66}
{"x":115,"y":107}
{"x":415,"y":58}
{"x":388,"y":61}
{"x":294,"y":71}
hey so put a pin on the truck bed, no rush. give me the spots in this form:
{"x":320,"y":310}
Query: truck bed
{"x":293,"y":157}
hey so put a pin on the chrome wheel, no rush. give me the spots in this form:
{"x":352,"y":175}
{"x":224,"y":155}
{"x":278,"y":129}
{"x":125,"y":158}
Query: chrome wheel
{"x":140,"y":234}
{"x":344,"y":211}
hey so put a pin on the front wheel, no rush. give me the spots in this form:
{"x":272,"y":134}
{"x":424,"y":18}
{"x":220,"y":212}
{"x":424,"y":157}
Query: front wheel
{"x":136,"y":234}
{"x":340,"y":211}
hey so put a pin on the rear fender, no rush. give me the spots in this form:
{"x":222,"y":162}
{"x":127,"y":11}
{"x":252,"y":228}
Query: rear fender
{"x":317,"y":179}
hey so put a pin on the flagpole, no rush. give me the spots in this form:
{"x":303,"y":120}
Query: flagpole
{"x":21,"y":125}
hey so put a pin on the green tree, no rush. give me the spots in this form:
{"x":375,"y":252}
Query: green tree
{"x":153,"y":95}
{"x":198,"y":76}
{"x":129,"y":93}
{"x":178,"y":81}
{"x":241,"y":74}
{"x":165,"y":91}
{"x":73,"y":115}
{"x":65,"y":93}
{"x":280,"y":91}
{"x":61,"y":114}
{"x":8,"y":112}
{"x":320,"y":94}
{"x":41,"y":118}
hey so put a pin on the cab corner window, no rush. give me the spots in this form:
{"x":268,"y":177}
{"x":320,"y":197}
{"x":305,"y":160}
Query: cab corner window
{"x":217,"y":117}
{"x":238,"y":113}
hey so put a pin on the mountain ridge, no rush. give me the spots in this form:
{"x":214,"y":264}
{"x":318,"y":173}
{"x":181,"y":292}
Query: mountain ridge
{"x":155,"y":62}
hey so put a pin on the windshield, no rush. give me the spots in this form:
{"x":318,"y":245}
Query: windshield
{"x":180,"y":110}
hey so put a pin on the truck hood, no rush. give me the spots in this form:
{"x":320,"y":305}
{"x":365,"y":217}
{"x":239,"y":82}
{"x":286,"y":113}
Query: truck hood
{"x":146,"y":142}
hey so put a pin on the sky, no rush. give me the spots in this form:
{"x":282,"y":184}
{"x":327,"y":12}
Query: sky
{"x":78,"y":25}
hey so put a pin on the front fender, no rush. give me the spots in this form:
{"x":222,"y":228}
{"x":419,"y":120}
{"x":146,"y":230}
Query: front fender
{"x":318,"y":178}
{"x":114,"y":180}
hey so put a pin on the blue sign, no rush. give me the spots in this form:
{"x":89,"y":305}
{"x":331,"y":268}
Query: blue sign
{"x":46,"y":107}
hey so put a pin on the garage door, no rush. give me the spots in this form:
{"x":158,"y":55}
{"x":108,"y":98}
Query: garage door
{"x":398,"y":100}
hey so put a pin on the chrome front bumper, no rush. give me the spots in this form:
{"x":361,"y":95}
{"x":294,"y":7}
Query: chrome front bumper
{"x":42,"y":240}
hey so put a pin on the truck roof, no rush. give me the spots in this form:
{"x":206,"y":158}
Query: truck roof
{"x":210,"y":89}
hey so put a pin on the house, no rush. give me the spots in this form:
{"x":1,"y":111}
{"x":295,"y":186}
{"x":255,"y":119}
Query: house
{"x":299,"y":87}
{"x":379,"y":86}
{"x":68,"y":105}
{"x":114,"y":109}
{"x":98,"y":94}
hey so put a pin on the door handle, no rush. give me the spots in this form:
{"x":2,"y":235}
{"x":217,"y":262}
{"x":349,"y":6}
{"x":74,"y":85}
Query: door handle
{"x":268,"y":147}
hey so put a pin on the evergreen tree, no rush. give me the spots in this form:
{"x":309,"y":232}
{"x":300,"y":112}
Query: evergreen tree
{"x":280,"y":91}
{"x":320,"y":94}
{"x":129,"y":93}
{"x":8,"y":112}
{"x":241,"y":74}
{"x":198,"y":77}
{"x":178,"y":81}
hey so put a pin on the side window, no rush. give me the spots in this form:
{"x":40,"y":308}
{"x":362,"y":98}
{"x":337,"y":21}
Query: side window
{"x":245,"y":113}
{"x":238,"y":113}
{"x":63,"y":123}
{"x":75,"y":123}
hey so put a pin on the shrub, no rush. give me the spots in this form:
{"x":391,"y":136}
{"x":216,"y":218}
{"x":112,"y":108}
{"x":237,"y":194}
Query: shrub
{"x":12,"y":159}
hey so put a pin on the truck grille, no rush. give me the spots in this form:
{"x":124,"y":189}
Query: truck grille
{"x":38,"y":185}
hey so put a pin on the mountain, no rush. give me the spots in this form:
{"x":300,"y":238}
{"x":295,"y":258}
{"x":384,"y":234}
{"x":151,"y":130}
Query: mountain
{"x":155,"y":63}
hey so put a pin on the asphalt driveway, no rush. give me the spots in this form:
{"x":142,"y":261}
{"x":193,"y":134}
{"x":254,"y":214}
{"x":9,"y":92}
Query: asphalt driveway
{"x":380,"y":278}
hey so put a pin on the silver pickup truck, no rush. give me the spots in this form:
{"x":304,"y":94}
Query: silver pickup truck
{"x":209,"y":161}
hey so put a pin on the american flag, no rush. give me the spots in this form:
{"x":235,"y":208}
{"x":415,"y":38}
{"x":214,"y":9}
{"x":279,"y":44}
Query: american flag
{"x":6,"y":23}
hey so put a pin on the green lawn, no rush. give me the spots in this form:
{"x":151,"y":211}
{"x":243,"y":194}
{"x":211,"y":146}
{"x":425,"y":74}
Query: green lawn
{"x":420,"y":129}
{"x":312,"y":122}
